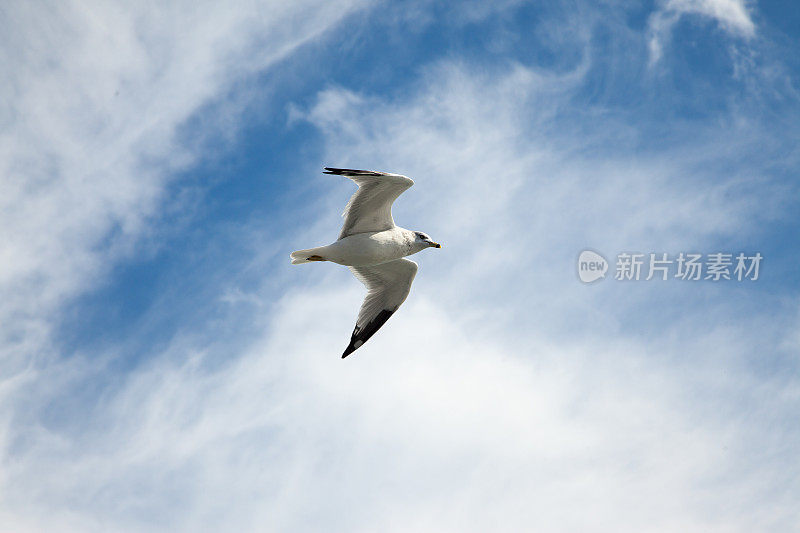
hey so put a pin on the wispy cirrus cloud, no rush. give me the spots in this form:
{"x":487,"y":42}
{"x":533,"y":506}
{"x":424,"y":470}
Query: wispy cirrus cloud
{"x":732,"y":16}
{"x":93,"y":106}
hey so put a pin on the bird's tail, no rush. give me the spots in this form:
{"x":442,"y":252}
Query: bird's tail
{"x":307,"y":256}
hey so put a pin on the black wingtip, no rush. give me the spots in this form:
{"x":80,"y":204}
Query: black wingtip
{"x":350,"y":348}
{"x":350,"y":172}
{"x":360,"y":336}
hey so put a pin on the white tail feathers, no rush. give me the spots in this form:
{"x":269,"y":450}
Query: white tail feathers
{"x":307,"y":256}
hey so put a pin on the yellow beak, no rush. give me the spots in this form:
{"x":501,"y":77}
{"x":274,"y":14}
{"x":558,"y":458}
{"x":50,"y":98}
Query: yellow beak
{"x":436,"y":245}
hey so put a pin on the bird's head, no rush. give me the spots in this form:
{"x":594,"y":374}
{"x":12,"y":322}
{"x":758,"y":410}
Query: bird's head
{"x":423,"y":239}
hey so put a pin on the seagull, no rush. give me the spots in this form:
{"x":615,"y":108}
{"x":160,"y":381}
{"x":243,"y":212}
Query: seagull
{"x":373,"y":248}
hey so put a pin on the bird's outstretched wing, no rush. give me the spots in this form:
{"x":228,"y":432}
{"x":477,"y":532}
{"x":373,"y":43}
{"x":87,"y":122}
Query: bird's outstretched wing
{"x":387,"y":287}
{"x":370,"y":208}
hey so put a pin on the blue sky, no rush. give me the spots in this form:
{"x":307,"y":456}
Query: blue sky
{"x":163,"y":367}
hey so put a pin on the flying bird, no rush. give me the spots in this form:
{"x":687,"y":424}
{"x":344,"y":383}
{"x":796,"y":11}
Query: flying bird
{"x":373,"y":248}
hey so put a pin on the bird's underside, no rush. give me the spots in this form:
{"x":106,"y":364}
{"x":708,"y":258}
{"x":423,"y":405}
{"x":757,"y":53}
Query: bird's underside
{"x":369,"y":211}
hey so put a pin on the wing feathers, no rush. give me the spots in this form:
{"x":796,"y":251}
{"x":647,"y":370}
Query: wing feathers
{"x":370,"y":208}
{"x":388,"y":285}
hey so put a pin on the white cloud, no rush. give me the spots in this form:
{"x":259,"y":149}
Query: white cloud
{"x":731,"y":15}
{"x":93,"y":100}
{"x":448,"y":430}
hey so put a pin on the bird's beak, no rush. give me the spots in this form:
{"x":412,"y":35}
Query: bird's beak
{"x":436,"y":244}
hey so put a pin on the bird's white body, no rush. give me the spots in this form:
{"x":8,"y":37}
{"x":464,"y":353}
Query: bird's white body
{"x":372,"y":248}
